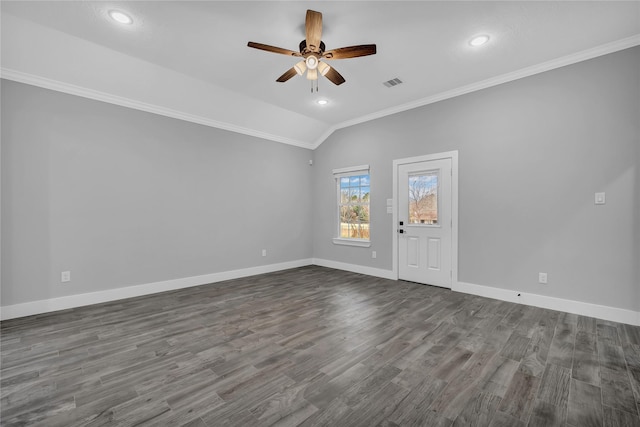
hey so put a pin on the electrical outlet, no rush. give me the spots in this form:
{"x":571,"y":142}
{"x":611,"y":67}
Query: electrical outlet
{"x":65,"y":276}
{"x":264,"y":252}
{"x":373,"y":254}
{"x":542,"y":278}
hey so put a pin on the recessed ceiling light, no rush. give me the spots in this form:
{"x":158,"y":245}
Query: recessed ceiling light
{"x":120,"y":17}
{"x":479,"y":40}
{"x":322,"y":102}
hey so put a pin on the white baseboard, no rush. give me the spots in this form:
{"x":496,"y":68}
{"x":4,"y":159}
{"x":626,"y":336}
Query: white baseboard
{"x":604,"y":312}
{"x":62,"y":303}
{"x":354,"y":268}
{"x":72,"y":301}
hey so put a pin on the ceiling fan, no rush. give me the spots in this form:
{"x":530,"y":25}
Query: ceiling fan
{"x":312,"y":49}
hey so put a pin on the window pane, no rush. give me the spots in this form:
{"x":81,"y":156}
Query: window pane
{"x":344,"y":230}
{"x":364,"y":194}
{"x":362,"y":213}
{"x":344,"y":195}
{"x":360,"y":230}
{"x":357,"y":231}
{"x":423,"y":198}
{"x":353,"y":193}
{"x":345,"y":219}
{"x":344,"y":214}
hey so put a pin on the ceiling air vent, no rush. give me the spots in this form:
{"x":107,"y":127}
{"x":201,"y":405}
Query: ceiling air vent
{"x":392,"y":82}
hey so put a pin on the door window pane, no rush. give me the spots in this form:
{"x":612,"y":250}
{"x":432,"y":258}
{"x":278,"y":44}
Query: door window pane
{"x":423,"y":198}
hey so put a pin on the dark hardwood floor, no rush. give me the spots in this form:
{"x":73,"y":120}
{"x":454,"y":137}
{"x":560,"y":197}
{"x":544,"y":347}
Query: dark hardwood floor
{"x":315,"y":346}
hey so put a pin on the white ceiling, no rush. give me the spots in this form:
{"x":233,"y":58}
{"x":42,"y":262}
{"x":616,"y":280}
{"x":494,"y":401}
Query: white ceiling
{"x":190,"y":60}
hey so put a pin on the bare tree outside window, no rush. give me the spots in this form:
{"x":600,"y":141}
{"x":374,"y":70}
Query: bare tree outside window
{"x":423,"y":198}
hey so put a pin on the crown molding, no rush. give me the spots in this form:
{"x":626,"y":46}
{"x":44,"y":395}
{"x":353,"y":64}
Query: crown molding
{"x":494,"y":81}
{"x":22,"y":77}
{"x":46,"y":83}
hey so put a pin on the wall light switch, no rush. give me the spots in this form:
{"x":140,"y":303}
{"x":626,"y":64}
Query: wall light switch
{"x":389,"y":202}
{"x":600,"y":199}
{"x":65,"y":276}
{"x":264,"y":252}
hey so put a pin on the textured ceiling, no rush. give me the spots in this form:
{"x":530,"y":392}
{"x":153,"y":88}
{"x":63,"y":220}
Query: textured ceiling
{"x":190,"y":60}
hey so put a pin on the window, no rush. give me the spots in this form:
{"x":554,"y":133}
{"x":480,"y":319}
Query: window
{"x":423,"y":198}
{"x":354,"y":193}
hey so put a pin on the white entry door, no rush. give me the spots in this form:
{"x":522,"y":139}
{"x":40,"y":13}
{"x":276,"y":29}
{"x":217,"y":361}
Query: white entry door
{"x":425,"y":222}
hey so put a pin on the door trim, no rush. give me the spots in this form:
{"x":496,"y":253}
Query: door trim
{"x":453,"y":155}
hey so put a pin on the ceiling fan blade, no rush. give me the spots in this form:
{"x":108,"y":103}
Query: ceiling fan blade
{"x":287,"y":75}
{"x":313,"y":30}
{"x":350,"y":51}
{"x":335,"y":77}
{"x":273,"y":49}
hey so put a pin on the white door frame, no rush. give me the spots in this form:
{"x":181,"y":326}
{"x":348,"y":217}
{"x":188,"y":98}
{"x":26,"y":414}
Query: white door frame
{"x":453,"y":155}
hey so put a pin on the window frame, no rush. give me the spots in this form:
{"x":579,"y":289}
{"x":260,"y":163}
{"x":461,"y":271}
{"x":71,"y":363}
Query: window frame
{"x":337,"y":175}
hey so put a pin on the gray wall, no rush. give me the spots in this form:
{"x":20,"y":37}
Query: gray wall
{"x":532,"y":154}
{"x":121,"y":197}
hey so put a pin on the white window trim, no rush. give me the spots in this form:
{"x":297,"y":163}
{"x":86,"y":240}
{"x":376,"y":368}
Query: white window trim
{"x":362,"y":243}
{"x":341,"y":173}
{"x":355,"y":170}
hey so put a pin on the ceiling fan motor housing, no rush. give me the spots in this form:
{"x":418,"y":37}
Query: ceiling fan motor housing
{"x":304,"y":50}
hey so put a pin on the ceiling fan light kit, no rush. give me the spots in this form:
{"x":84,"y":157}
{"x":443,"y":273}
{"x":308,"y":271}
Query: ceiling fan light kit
{"x":312,"y":74}
{"x":312,"y":49}
{"x":312,"y":62}
{"x":301,"y":67}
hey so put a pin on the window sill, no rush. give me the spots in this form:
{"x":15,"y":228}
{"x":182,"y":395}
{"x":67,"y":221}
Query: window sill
{"x":352,"y":242}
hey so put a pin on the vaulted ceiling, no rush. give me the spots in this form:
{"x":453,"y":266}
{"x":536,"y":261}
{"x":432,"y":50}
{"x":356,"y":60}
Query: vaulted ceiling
{"x":190,"y":60}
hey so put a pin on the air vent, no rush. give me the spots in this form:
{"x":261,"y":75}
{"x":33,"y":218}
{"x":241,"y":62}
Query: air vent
{"x":392,"y":82}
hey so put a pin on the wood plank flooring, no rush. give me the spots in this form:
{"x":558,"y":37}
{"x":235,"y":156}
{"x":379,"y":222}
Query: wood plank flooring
{"x":314,"y":346}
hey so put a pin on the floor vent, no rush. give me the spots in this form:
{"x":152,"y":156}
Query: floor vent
{"x":392,"y":82}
